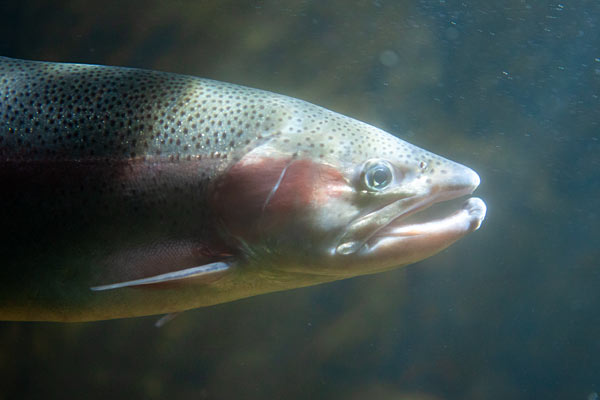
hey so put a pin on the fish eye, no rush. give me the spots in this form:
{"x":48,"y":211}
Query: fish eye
{"x":378,"y":175}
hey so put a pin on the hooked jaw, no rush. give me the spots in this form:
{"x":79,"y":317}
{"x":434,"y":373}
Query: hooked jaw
{"x":398,"y":242}
{"x":413,"y":242}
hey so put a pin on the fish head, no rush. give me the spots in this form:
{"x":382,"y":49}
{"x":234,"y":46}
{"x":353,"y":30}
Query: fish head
{"x":334,"y":196}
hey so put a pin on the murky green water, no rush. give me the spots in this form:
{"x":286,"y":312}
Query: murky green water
{"x":511,"y":89}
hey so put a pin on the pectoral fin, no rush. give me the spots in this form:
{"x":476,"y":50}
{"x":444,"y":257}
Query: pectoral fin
{"x":165,"y":319}
{"x":203,"y":270}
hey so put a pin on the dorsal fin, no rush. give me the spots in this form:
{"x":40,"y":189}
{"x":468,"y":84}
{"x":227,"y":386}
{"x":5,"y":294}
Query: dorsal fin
{"x":203,"y":270}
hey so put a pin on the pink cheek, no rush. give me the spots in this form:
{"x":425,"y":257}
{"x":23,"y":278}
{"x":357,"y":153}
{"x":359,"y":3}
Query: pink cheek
{"x":249,"y":208}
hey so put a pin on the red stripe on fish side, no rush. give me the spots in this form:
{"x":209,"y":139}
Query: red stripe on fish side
{"x":257,"y":195}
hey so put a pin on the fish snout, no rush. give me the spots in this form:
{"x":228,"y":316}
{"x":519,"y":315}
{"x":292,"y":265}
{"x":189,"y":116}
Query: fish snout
{"x":456,"y":182}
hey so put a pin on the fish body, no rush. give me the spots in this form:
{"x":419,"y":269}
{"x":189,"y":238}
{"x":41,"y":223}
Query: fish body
{"x":127,"y":192}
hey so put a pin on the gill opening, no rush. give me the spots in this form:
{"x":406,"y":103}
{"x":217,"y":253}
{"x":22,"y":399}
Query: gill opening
{"x":274,"y":191}
{"x":275,"y":187}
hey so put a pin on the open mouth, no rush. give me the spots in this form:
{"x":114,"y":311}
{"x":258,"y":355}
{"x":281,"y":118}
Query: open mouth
{"x":402,"y":227}
{"x":426,"y":221}
{"x":412,"y":235}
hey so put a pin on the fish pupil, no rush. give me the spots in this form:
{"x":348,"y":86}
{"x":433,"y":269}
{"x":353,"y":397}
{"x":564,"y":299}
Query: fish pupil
{"x":378,"y":177}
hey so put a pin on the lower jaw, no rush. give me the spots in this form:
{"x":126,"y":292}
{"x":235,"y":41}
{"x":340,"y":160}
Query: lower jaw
{"x":411,"y":242}
{"x":466,"y":219}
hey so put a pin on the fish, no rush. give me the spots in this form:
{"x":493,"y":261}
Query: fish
{"x":128,"y":192}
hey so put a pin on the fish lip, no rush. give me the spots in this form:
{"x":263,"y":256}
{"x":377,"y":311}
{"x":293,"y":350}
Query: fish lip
{"x":429,"y":201}
{"x":408,"y":205}
{"x":473,"y":208}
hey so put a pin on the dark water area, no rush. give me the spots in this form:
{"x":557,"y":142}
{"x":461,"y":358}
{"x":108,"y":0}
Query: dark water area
{"x":510,"y":89}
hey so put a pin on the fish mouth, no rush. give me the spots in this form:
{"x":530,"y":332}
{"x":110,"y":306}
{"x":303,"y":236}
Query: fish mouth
{"x":466,"y":219}
{"x":401,"y":232}
{"x":409,"y":239}
{"x":416,"y":235}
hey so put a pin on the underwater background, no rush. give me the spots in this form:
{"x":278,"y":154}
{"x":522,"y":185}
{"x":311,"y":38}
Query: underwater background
{"x":512,"y":311}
